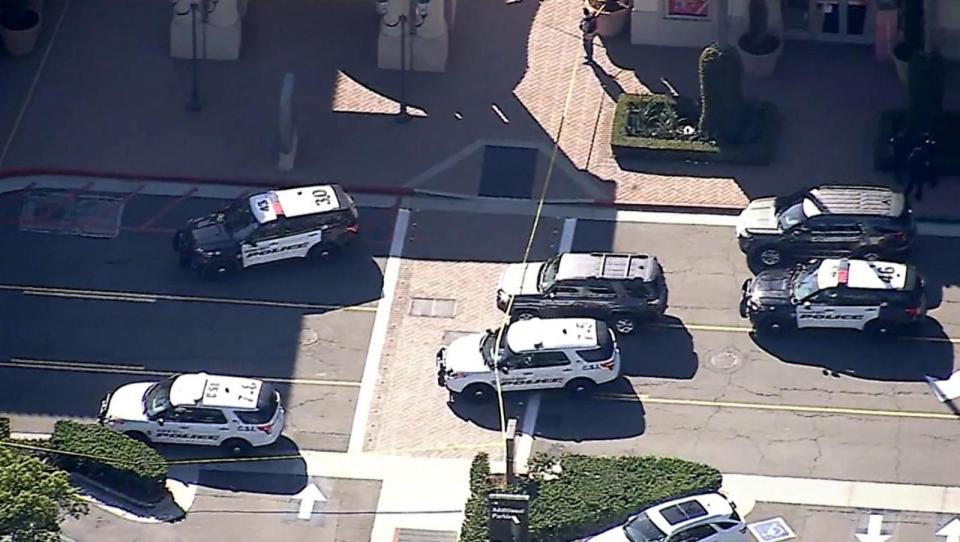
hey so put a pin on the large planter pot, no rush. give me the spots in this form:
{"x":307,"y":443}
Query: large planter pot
{"x":760,"y":65}
{"x":901,"y":61}
{"x":19,"y":31}
{"x":610,"y":23}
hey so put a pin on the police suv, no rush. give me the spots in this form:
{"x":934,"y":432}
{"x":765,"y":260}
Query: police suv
{"x":311,"y":222}
{"x":576,"y":354}
{"x":879,"y":297}
{"x":233,"y":413}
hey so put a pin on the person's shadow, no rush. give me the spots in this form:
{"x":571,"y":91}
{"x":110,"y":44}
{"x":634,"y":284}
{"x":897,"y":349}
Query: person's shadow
{"x":609,"y":82}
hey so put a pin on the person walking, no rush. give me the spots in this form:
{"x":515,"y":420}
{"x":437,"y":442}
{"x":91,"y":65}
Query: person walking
{"x":919,"y":170}
{"x":588,"y":26}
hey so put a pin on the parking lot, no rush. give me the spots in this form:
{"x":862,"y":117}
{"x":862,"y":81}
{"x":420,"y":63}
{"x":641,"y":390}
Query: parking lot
{"x":87,"y":314}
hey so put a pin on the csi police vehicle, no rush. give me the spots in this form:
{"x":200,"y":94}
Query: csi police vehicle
{"x":575,"y":354}
{"x":701,"y":518}
{"x":879,"y":297}
{"x":622,"y":289}
{"x":865,"y":222}
{"x":309,"y":222}
{"x":233,"y":413}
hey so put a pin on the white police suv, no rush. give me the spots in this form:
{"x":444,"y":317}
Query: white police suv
{"x":700,"y":518}
{"x":874,"y":296}
{"x":308,"y":222}
{"x":233,"y":413}
{"x":576,"y":354}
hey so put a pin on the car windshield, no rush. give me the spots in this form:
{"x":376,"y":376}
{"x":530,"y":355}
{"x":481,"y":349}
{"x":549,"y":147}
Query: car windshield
{"x":641,"y":529}
{"x":157,"y":398}
{"x":489,"y":349}
{"x":805,"y":284}
{"x":239,"y":220}
{"x":548,"y":273}
{"x":791,"y":216}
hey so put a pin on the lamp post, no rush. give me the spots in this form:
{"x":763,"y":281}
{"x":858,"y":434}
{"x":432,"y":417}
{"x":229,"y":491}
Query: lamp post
{"x":194,"y":104}
{"x":418,"y":13}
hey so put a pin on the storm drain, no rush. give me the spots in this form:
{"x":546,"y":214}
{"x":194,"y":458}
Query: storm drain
{"x":88,"y":215}
{"x":421,"y":535}
{"x":433,"y":308}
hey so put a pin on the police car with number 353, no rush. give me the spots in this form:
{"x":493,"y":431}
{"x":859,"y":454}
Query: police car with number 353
{"x":878,"y":297}
{"x":575,"y":354}
{"x":312,"y":222}
{"x":227,"y":411}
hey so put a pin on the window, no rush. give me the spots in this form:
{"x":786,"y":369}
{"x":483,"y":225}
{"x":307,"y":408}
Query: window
{"x":694,"y":534}
{"x":695,"y":9}
{"x":270,"y":230}
{"x":601,"y":353}
{"x":548,"y":359}
{"x":683,"y":511}
{"x":637,"y":288}
{"x":567,"y":291}
{"x":199,"y":415}
{"x":726,"y":525}
{"x":601,"y":292}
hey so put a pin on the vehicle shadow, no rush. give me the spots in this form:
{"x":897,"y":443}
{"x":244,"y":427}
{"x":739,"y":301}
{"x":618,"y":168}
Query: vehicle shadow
{"x":928,"y":352}
{"x":938,"y":260}
{"x":277,"y":469}
{"x":661,"y":349}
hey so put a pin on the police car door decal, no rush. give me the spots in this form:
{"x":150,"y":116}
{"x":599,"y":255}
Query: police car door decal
{"x":843,"y":317}
{"x":281,"y":248}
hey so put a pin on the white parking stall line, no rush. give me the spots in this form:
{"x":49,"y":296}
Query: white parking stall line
{"x":378,"y":336}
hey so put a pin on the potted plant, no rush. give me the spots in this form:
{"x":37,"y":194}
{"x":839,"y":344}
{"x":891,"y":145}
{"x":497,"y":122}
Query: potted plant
{"x":911,"y":22}
{"x":612,"y":15}
{"x":19,"y":26}
{"x":759,"y":49}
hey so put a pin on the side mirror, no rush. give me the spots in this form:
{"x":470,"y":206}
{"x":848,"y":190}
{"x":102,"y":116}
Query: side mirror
{"x":806,"y":304}
{"x":504,"y":369}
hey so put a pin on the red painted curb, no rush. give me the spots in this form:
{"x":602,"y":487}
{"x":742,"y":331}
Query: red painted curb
{"x":66,"y":172}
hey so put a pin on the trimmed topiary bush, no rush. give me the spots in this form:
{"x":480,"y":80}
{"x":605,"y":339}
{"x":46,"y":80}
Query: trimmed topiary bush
{"x":721,"y":94}
{"x":109,"y":457}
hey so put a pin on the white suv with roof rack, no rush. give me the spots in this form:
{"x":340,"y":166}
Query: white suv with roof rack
{"x":575,"y":354}
{"x":709,"y":517}
{"x":227,"y":411}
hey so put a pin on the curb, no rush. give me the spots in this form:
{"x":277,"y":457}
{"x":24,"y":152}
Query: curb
{"x":397,"y":191}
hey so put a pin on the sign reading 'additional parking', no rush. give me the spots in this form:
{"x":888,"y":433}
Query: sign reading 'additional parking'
{"x":771,"y":530}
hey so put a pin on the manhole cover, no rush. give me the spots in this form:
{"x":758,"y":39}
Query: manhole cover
{"x":433,"y":308}
{"x":308,"y":337}
{"x":725,"y":360}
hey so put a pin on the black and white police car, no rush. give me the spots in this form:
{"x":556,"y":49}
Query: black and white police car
{"x":199,"y":408}
{"x":880,"y":297}
{"x":575,"y":354}
{"x":311,"y":222}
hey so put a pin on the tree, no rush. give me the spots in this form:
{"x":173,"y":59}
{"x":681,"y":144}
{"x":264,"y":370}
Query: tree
{"x":34,"y":498}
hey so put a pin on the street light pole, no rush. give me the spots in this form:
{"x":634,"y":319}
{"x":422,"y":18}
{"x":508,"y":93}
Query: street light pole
{"x":403,"y":117}
{"x":194,"y":104}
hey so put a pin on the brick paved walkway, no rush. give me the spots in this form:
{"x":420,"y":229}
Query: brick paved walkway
{"x":108,"y":108}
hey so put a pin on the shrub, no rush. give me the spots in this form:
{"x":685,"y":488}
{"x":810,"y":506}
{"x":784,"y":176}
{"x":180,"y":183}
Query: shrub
{"x":475,"y":521}
{"x":946,"y":131}
{"x":109,"y":457}
{"x":758,"y":133}
{"x":721,"y":94}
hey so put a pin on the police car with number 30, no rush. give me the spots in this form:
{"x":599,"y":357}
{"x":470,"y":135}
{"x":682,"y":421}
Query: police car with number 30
{"x":311,"y":222}
{"x":878,"y":297}
{"x":233,"y":413}
{"x":575,"y":354}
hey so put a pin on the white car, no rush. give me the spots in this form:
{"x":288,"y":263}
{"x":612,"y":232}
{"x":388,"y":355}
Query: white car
{"x":536,"y":354}
{"x":701,"y":518}
{"x":233,"y":413}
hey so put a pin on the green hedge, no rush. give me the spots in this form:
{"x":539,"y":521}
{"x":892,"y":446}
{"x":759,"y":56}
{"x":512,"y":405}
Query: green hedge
{"x":590,"y":494}
{"x":110,"y":457}
{"x":947,"y":135}
{"x":763,"y":132}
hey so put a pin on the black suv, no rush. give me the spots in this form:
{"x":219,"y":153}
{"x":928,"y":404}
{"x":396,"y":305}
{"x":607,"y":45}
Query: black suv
{"x":873,"y":296}
{"x":621,"y":288}
{"x":830,"y":221}
{"x":312,"y":222}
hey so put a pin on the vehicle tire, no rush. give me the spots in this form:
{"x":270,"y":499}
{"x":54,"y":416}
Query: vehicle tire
{"x":525,"y":314}
{"x":236,"y":446}
{"x":580,"y":388}
{"x":624,"y":324}
{"x":138,"y":436}
{"x":323,"y":252}
{"x":766,"y":256}
{"x":743,"y":308}
{"x":217,"y":270}
{"x":478,"y":393}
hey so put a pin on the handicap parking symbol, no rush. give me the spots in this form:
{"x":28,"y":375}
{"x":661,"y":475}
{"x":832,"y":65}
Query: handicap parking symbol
{"x":771,"y":530}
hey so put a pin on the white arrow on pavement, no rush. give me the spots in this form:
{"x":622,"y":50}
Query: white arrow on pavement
{"x":874,"y":525}
{"x":951,"y":531}
{"x":309,"y":496}
{"x":945,"y":390}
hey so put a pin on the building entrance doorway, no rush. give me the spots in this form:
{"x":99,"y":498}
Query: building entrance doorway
{"x":850,"y":21}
